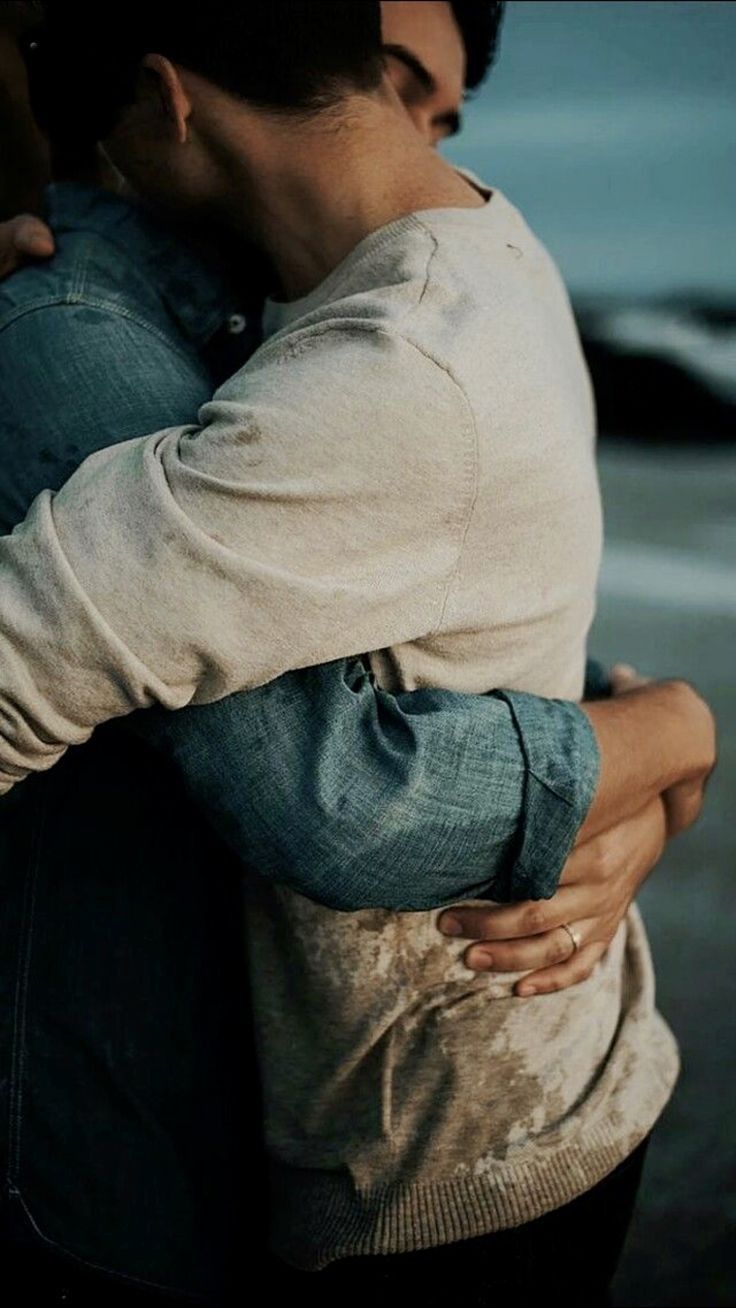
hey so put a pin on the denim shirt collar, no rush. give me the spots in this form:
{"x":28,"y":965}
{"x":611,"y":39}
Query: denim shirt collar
{"x":193,"y":285}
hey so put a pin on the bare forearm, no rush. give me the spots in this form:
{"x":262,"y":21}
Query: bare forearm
{"x":650,"y":740}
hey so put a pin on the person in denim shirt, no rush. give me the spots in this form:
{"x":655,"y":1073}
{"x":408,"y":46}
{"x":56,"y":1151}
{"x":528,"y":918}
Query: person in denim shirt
{"x":477,"y":796}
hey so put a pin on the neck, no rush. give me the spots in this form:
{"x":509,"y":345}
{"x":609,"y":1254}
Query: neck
{"x":308,"y":193}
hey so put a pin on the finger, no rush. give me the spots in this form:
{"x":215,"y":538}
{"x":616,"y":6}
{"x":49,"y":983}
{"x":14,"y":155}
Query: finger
{"x":683,"y":803}
{"x":624,"y":677}
{"x":21,"y":239}
{"x":624,"y":670}
{"x":532,"y":917}
{"x":9,"y":257}
{"x":32,"y":238}
{"x":563,"y":975}
{"x":511,"y":921}
{"x":522,"y":955}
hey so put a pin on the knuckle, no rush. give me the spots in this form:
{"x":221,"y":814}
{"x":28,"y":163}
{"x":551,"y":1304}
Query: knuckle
{"x":455,"y":922}
{"x":510,"y":957}
{"x":475,"y":922}
{"x":536,"y":917}
{"x":587,"y":963}
{"x":478,"y":960}
{"x":559,"y":948}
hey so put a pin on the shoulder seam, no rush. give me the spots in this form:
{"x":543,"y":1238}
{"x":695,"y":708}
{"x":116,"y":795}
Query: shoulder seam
{"x":471,"y":469}
{"x":432,"y":253}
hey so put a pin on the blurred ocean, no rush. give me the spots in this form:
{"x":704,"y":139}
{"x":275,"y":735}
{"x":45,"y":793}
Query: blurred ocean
{"x":612,"y":126}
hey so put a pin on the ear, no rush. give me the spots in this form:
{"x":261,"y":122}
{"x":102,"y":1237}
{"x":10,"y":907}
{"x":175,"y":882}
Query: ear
{"x":174,"y":102}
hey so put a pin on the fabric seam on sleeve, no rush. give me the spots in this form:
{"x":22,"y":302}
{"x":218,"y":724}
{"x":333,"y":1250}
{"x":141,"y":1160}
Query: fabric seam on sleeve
{"x":90,"y":302}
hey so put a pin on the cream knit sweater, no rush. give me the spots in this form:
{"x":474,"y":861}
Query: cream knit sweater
{"x":409,"y":1101}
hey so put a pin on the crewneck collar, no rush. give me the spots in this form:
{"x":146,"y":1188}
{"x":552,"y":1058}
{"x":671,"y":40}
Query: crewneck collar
{"x":278,"y":314}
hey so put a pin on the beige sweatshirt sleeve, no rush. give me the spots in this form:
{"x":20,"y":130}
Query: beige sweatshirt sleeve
{"x":318,"y":511}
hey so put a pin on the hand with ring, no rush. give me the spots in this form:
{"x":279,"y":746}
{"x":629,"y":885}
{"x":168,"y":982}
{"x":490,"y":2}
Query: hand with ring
{"x":559,"y":941}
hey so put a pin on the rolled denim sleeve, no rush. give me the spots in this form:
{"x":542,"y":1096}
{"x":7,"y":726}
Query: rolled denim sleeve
{"x":562,"y":771}
{"x":358,"y":798}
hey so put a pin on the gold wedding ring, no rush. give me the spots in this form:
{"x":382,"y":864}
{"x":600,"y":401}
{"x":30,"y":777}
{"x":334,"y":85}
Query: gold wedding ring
{"x":574,"y":936}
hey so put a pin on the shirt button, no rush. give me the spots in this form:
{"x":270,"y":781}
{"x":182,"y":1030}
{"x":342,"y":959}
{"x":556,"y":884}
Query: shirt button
{"x":236,"y":324}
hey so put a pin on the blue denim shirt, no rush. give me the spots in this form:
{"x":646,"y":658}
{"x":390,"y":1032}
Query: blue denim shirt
{"x":121,"y":1007}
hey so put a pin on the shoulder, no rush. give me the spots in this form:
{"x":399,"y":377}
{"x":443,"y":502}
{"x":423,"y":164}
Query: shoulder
{"x":356,"y":407}
{"x":348,"y":366}
{"x":87,"y":357}
{"x":489,"y":272}
{"x":86,"y":271}
{"x":77,"y":319}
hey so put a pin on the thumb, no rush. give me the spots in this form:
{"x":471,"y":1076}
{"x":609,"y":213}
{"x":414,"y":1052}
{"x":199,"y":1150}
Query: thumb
{"x":21,"y":239}
{"x":32,"y":238}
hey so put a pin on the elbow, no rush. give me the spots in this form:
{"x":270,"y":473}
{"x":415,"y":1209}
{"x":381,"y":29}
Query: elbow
{"x":345,"y":884}
{"x":348,"y":867}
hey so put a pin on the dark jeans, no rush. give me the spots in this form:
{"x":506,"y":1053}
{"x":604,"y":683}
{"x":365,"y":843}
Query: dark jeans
{"x":569,"y":1257}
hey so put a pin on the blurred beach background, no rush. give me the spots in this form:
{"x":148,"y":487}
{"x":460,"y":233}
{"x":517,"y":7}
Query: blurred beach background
{"x":612,"y":126}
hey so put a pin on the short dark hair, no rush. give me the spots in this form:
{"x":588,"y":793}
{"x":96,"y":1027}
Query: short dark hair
{"x":283,"y":55}
{"x":480,"y":27}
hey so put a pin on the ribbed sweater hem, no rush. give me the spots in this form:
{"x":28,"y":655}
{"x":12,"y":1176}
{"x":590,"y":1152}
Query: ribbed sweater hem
{"x":321,"y":1216}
